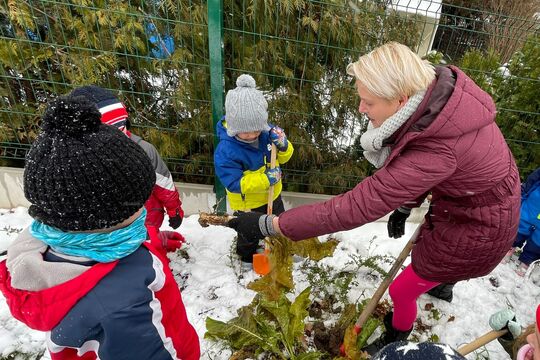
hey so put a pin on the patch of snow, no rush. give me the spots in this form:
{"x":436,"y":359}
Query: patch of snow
{"x":212,"y":285}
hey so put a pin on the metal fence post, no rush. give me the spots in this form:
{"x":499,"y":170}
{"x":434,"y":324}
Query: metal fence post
{"x":217,"y":83}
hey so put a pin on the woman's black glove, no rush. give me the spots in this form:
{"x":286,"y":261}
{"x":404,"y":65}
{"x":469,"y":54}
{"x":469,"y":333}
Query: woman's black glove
{"x":252,"y":225}
{"x":396,"y":222}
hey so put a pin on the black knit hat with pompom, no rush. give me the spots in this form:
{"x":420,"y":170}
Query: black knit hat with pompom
{"x":81,"y":174}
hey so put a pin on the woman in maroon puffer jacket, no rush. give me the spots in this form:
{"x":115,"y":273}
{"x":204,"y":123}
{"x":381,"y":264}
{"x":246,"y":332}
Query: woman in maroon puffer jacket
{"x":432,"y":130}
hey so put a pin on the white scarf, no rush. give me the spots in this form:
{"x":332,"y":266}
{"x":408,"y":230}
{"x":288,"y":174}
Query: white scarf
{"x":372,"y":140}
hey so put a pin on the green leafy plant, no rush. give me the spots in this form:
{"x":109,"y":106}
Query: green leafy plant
{"x":326,"y":283}
{"x":272,"y":323}
{"x":372,"y":262}
{"x":274,"y":326}
{"x":282,"y":249}
{"x":434,"y":338}
{"x":435,"y":57}
{"x":353,"y":343}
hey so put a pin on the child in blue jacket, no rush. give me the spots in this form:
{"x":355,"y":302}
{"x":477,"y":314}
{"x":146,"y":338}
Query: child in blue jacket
{"x":242,"y":157}
{"x":529,"y":224}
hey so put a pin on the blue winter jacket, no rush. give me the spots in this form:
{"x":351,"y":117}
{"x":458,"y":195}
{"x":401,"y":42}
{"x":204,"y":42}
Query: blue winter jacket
{"x":529,"y":223}
{"x":241,"y":168}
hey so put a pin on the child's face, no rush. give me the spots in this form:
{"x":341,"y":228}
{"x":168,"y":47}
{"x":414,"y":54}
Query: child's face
{"x":534,"y":340}
{"x":249,"y":136}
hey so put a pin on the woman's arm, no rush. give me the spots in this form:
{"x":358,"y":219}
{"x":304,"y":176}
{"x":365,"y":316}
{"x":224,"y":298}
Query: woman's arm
{"x":410,"y":175}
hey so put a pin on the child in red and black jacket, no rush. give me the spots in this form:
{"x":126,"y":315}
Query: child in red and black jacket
{"x":164,"y":194}
{"x":82,"y":271}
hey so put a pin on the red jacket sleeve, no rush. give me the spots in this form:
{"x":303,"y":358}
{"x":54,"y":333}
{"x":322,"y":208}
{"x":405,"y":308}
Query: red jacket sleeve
{"x":164,"y":190}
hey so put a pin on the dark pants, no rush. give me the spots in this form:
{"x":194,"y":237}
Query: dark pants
{"x":246,"y":247}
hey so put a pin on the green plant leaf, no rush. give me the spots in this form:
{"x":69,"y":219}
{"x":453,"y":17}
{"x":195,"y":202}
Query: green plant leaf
{"x":367,"y":330}
{"x":239,"y":332}
{"x":298,"y":312}
{"x":279,"y":310}
{"x":313,"y":248}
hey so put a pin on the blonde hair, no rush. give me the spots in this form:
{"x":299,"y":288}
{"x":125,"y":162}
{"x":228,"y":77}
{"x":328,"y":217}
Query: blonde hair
{"x":391,"y":71}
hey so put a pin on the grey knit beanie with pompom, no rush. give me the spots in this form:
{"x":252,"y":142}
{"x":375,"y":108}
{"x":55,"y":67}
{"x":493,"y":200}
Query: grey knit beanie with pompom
{"x":246,"y":109}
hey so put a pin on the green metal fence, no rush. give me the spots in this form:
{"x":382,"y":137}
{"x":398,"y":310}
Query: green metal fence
{"x":171,"y":62}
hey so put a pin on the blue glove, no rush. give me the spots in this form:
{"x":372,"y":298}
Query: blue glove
{"x":273,"y":175}
{"x":506,"y":319}
{"x":278,"y":137}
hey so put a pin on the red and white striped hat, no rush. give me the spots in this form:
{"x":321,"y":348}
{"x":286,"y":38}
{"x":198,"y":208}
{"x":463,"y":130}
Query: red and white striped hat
{"x":113,"y":112}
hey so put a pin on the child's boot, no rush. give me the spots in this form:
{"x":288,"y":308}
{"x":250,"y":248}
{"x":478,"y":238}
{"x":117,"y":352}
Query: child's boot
{"x":389,"y":336}
{"x":443,"y":292}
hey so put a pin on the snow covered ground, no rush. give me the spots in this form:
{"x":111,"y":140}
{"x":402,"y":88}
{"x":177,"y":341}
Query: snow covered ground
{"x":213,"y":286}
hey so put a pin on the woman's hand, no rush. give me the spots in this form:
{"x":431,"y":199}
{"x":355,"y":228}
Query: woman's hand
{"x":253,"y":225}
{"x":396,"y":222}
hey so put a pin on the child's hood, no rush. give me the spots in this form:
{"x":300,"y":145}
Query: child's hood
{"x":221,"y":128}
{"x":41,"y":293}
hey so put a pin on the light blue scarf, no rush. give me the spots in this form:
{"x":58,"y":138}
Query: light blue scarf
{"x":101,"y":247}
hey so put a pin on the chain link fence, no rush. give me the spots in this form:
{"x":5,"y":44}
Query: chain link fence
{"x":172,"y":61}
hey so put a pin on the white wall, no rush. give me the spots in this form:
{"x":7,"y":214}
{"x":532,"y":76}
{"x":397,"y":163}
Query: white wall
{"x":11,"y":188}
{"x":195,"y":198}
{"x":429,"y":12}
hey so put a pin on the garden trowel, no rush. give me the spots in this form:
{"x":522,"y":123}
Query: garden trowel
{"x":261,"y":263}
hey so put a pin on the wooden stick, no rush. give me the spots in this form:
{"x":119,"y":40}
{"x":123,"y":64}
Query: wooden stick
{"x":270,"y":206}
{"x":206,"y":219}
{"x":481,"y":341}
{"x":261,"y":262}
{"x":366,"y":312}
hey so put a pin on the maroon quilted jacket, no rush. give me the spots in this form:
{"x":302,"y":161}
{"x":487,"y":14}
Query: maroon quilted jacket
{"x":452,"y":147}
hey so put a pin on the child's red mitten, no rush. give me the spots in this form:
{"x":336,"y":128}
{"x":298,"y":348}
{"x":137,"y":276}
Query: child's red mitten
{"x":171,"y":240}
